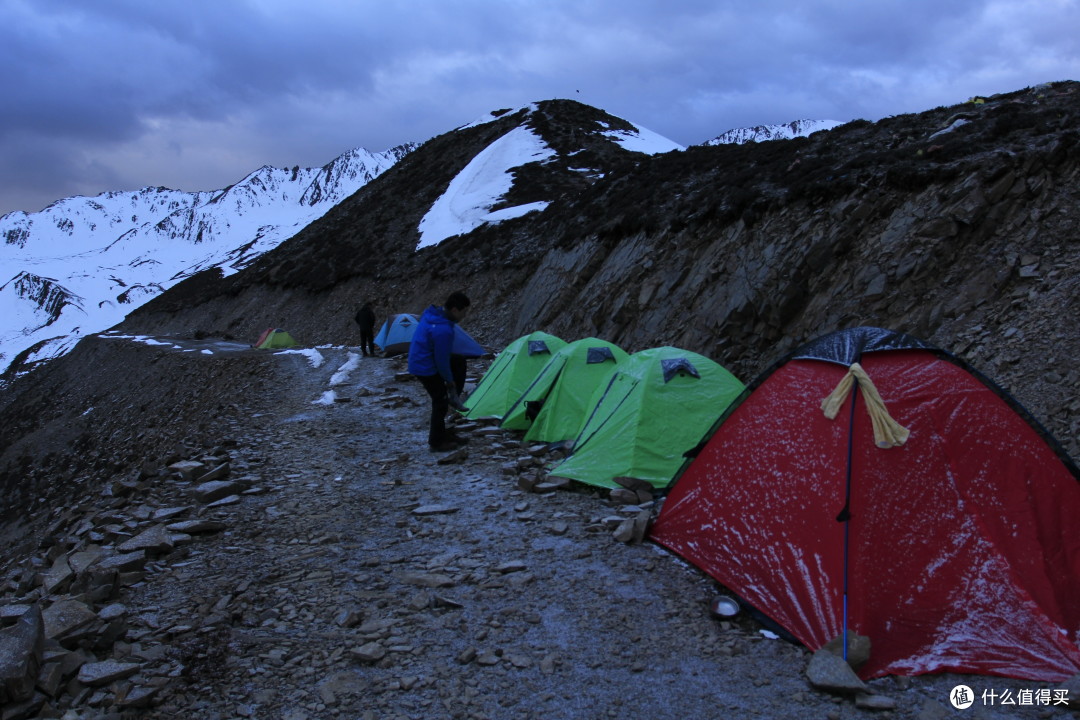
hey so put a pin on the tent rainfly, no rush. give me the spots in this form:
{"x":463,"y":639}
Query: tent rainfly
{"x":275,"y":338}
{"x":397,"y":332}
{"x":511,"y":373}
{"x":919,"y":506}
{"x":652,"y":409}
{"x":552,"y":408}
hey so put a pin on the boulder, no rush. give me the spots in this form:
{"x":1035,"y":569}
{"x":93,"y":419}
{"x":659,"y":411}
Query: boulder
{"x":21,"y":647}
{"x":830,"y":673}
{"x":105,"y":672}
{"x":220,"y":472}
{"x":369,"y":652}
{"x":858,"y":648}
{"x":208,"y":492}
{"x":156,"y":539}
{"x":59,"y":576}
{"x":188,"y":469}
{"x":67,"y":619}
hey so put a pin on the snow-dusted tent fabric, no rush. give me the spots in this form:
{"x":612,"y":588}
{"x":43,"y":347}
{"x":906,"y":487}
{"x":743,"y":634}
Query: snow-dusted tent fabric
{"x":962,"y":552}
{"x":511,"y":373}
{"x":396,"y":335}
{"x":553,"y":407}
{"x":653,"y":407}
{"x":275,"y":338}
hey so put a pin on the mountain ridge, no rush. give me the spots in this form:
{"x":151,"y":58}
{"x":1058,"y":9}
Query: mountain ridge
{"x":120,"y":248}
{"x":161,"y":216}
{"x":737,"y":251}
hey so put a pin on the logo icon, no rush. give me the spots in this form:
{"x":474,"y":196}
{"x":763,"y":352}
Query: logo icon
{"x":962,"y":697}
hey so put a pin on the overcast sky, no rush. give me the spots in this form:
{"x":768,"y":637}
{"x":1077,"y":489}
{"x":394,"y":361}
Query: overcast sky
{"x":104,"y":95}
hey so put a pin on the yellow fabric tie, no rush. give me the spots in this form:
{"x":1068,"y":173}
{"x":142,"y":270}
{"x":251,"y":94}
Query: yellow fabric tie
{"x":887,"y":432}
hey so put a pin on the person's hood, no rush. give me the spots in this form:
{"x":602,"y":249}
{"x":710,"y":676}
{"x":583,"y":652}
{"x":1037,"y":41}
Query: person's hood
{"x":435,"y":315}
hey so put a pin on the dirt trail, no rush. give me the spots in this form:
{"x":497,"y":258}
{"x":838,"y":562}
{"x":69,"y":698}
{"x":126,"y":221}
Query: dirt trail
{"x":362,"y":579}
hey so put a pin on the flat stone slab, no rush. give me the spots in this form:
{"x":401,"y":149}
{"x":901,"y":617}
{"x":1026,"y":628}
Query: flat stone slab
{"x":435,"y":510}
{"x":830,"y":673}
{"x":430,"y":580}
{"x":369,"y":652}
{"x":156,"y":539}
{"x":195,"y":527}
{"x":105,"y":672}
{"x":124,"y":562}
{"x":21,"y":647}
{"x":188,"y":469}
{"x":213,"y":490}
{"x":65,"y":617}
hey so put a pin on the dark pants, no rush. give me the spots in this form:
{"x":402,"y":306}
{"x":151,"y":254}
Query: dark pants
{"x":458,"y":367}
{"x":367,"y":341}
{"x":440,"y":405}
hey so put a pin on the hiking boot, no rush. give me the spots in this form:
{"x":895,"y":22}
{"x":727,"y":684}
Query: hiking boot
{"x":444,"y":446}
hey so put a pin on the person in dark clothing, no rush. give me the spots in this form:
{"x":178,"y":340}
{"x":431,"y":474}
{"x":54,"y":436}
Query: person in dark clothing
{"x":459,"y":368}
{"x":429,"y":361}
{"x":365,"y":318}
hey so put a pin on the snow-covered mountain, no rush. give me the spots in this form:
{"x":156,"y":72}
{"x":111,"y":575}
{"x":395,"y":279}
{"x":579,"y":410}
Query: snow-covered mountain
{"x":81,"y":264}
{"x":761,"y":133}
{"x":476,"y":195}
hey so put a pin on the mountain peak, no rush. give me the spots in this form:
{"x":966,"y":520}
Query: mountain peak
{"x":552,"y":147}
{"x":82,"y":263}
{"x":763,"y":133}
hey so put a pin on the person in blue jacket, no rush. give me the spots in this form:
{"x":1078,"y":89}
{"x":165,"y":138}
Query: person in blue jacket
{"x":429,"y":361}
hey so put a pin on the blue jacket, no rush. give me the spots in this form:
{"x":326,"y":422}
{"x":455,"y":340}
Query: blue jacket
{"x":429,"y":352}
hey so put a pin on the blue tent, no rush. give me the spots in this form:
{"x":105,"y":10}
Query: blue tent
{"x":397,"y":332}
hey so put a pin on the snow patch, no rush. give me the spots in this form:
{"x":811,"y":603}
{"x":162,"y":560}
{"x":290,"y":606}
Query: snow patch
{"x":314,"y":356}
{"x":642,"y":141}
{"x":342,"y":375}
{"x":329,"y":397}
{"x":467,"y":202}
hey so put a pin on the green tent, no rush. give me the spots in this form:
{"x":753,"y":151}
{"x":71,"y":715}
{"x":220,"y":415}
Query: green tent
{"x":655,"y":405}
{"x":511,"y":373}
{"x":275,"y":338}
{"x":553,"y":407}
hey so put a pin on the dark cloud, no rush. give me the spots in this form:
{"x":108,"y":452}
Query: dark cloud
{"x":120,"y":94}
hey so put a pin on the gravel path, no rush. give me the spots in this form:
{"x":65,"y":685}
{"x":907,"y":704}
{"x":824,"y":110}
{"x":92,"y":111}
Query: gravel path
{"x":360,"y":578}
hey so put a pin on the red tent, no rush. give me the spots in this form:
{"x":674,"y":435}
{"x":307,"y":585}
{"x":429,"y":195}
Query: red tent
{"x":962,"y":551}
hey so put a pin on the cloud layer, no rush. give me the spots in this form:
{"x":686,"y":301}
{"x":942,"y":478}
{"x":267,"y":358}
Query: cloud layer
{"x":122,"y":94}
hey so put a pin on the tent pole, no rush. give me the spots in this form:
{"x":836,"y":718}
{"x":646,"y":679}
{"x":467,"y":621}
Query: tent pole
{"x":845,"y":514}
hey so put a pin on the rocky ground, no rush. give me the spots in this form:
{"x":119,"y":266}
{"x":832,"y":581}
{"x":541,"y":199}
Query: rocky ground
{"x":317,"y":561}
